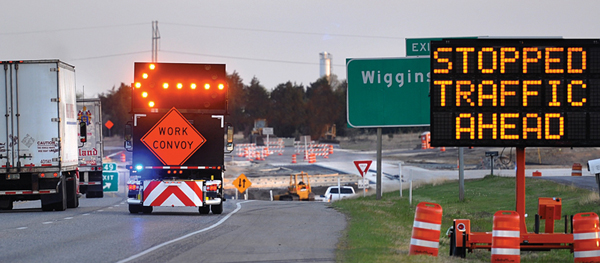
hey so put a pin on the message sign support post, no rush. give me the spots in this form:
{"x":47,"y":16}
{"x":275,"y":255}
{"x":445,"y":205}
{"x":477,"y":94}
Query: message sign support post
{"x":461,"y":173}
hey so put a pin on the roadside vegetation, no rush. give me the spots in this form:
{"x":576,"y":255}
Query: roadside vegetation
{"x":380,"y":230}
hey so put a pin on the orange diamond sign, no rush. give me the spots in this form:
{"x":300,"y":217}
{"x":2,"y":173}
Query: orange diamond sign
{"x":173,"y":139}
{"x":109,"y":124}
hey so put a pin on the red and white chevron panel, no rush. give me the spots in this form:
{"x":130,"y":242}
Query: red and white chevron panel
{"x":172,"y":193}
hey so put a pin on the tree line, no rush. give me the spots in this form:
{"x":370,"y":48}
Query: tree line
{"x":290,"y":108}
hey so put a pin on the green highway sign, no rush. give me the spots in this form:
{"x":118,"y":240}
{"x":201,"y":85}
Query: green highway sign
{"x":109,"y":166}
{"x":110,"y":181}
{"x":420,"y":46}
{"x":388,"y":92}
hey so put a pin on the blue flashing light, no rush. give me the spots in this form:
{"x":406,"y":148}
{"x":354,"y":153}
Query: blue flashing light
{"x":139,"y":167}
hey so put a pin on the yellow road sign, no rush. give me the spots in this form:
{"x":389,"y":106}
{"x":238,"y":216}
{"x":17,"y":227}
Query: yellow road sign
{"x":242,"y":183}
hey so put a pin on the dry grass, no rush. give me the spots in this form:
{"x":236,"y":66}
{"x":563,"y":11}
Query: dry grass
{"x":590,"y":198}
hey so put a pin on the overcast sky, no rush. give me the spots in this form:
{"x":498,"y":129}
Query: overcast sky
{"x":276,"y":41}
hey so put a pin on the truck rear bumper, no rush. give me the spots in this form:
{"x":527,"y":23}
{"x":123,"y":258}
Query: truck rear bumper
{"x":133,"y":201}
{"x":28,"y":192}
{"x":216,"y":201}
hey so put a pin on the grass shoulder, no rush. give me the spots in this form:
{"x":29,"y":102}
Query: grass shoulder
{"x":380,"y":230}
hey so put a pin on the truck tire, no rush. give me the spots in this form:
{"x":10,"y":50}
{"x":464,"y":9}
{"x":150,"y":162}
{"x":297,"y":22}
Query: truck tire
{"x":61,"y":204}
{"x":72,"y":198}
{"x":135,"y":209}
{"x":217,"y":209}
{"x":6,"y":204}
{"x":94,"y":194}
{"x":204,"y":210}
{"x":146,"y":209}
{"x":56,"y":201}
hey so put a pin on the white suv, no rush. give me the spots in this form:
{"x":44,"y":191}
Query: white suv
{"x":333,"y":193}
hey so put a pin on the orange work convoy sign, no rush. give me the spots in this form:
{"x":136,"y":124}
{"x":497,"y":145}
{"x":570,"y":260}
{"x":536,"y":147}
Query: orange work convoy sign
{"x":173,"y":139}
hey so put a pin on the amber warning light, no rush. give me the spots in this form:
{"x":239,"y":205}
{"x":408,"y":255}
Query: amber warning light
{"x":166,"y":85}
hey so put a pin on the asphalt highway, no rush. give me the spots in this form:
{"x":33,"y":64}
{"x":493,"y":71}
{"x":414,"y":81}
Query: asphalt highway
{"x":102,"y":230}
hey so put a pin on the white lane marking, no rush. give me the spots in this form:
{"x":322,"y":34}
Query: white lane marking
{"x":100,"y":210}
{"x":86,"y":214}
{"x":21,"y":228}
{"x":48,"y":222}
{"x":68,"y":218}
{"x":239,"y":206}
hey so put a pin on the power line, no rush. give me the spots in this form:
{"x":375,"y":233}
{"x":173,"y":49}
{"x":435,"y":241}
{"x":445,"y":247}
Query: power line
{"x":108,"y":56}
{"x":68,"y":29}
{"x":246,"y":58}
{"x":283,"y":31}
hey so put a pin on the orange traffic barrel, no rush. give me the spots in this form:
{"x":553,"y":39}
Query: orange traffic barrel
{"x":537,"y":173}
{"x":576,"y":169}
{"x":330,"y":149}
{"x":506,"y":237}
{"x":312,"y":158}
{"x":586,"y":238}
{"x":293,"y":158}
{"x":123,"y":157}
{"x":426,"y":229}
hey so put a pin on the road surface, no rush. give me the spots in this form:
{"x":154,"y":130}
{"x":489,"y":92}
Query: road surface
{"x":102,"y":230}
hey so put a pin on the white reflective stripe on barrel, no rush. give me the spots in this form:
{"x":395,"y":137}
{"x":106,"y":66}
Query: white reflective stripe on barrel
{"x":425,"y":225}
{"x":586,"y":254}
{"x":424,"y":243}
{"x":581,"y":236}
{"x":506,"y":251}
{"x":505,"y":233}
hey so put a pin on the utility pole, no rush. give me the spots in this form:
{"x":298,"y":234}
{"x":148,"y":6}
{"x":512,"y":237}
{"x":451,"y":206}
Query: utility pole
{"x":155,"y":38}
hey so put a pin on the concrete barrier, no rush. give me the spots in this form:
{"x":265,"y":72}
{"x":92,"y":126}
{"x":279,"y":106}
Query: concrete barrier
{"x":284,"y":181}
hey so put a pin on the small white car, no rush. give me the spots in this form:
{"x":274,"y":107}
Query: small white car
{"x":333,"y":193}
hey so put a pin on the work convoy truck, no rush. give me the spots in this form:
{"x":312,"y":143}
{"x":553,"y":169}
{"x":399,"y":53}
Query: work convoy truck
{"x":89,"y":111}
{"x":177,"y":136}
{"x":38,"y":134}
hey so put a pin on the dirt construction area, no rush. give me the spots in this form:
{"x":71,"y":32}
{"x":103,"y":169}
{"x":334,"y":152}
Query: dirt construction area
{"x":406,"y":148}
{"x":474,"y":157}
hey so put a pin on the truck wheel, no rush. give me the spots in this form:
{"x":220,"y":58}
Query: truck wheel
{"x":217,"y":209}
{"x":146,"y":209}
{"x":61,"y":205}
{"x":47,"y":207}
{"x":56,"y":201}
{"x":94,"y":194}
{"x":72,"y":198}
{"x":204,"y":210}
{"x":6,"y":204}
{"x":134,"y":209}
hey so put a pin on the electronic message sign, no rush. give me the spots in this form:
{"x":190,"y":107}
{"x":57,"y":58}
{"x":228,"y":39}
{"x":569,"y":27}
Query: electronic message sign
{"x":515,"y":92}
